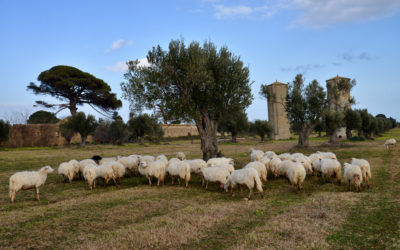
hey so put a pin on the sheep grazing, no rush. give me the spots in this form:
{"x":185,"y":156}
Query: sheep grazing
{"x":84,"y":163}
{"x":353,"y":175}
{"x":274,"y":166}
{"x":283,"y":167}
{"x":260,"y":168}
{"x":119,"y":170}
{"x":316,"y":163}
{"x":97,"y":159}
{"x":106,"y":172}
{"x":285,"y":156}
{"x":28,"y":180}
{"x":161,"y":157}
{"x":153,"y":169}
{"x":296,"y":174}
{"x":214,"y":174}
{"x":245,"y":176}
{"x":256,"y":154}
{"x":173,"y":160}
{"x":270,"y":154}
{"x":390,"y":142}
{"x":130,"y":162}
{"x":90,"y":175}
{"x":196,"y":165}
{"x":228,"y":167}
{"x":107,"y":159}
{"x":218,"y":161}
{"x":180,"y":169}
{"x":332,"y":169}
{"x":181,"y":156}
{"x":306,"y":162}
{"x":266,"y":161}
{"x":67,"y":170}
{"x":328,"y":155}
{"x":365,"y":169}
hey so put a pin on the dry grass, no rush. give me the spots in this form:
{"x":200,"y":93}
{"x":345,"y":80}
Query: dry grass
{"x":322,"y":215}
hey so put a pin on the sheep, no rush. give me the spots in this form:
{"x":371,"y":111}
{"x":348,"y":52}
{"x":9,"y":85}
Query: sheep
{"x":365,"y":169}
{"x":316,"y":163}
{"x":256,"y":154}
{"x":181,"y":156}
{"x":27,"y":180}
{"x":173,"y":160}
{"x":196,"y":165}
{"x":260,"y":168}
{"x":328,"y":155}
{"x":228,"y":167}
{"x":180,"y":169}
{"x":147,"y":158}
{"x":353,"y":175}
{"x":119,"y":170}
{"x":83,"y":163}
{"x":296,"y":174}
{"x":153,"y":168}
{"x":283,"y":167}
{"x":332,"y":169}
{"x":266,"y":161}
{"x":285,"y":156}
{"x":75,"y":163}
{"x":315,"y":157}
{"x":217,"y":161}
{"x":390,"y":142}
{"x":245,"y":176}
{"x":108,"y":159}
{"x":297,"y":155}
{"x":306,"y":162}
{"x":270,"y":154}
{"x":67,"y":170}
{"x":90,"y":175}
{"x":274,"y":166}
{"x":214,"y":174}
{"x":163,"y":157}
{"x":106,"y":172}
{"x":130,"y":162}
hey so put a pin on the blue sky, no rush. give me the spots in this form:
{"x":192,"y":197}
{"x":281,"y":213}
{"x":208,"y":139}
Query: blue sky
{"x":276,"y":39}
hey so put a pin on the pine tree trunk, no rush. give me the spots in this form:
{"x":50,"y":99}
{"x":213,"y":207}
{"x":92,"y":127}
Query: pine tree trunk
{"x":208,"y":135}
{"x":72,"y":109}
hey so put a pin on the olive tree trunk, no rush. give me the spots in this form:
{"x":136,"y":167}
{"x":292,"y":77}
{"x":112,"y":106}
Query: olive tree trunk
{"x":207,"y":128}
{"x":304,"y":135}
{"x":83,"y":140}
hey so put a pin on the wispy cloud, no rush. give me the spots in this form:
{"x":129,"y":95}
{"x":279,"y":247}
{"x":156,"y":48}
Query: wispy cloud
{"x":350,"y":57}
{"x":121,"y":43}
{"x":123,"y":67}
{"x":321,"y":13}
{"x":222,"y":11}
{"x":302,"y":68}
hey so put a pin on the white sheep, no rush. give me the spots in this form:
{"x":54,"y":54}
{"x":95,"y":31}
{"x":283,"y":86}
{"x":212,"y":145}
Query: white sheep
{"x":245,"y":176}
{"x":84,"y":163}
{"x":365,"y":169}
{"x":353,"y":175}
{"x":228,"y":167}
{"x":315,"y":157}
{"x":328,"y":155}
{"x":316,"y":163}
{"x":306,"y":162}
{"x":283,"y":167}
{"x":285,"y":156}
{"x":274,"y":166}
{"x":153,"y":169}
{"x":260,"y":168}
{"x":296,"y":174}
{"x":161,"y":157}
{"x":196,"y":165}
{"x":106,"y":172}
{"x":130,"y":162}
{"x":218,"y":161}
{"x":390,"y":142}
{"x":119,"y":170}
{"x":173,"y":160}
{"x":75,"y":163}
{"x":256,"y":154}
{"x":332,"y":169}
{"x":90,"y":175}
{"x":181,"y":156}
{"x":67,"y":170}
{"x":214,"y":174}
{"x":28,"y":180}
{"x":107,"y":159}
{"x":180,"y":169}
{"x":147,"y":158}
{"x":270,"y":154}
{"x":266,"y":161}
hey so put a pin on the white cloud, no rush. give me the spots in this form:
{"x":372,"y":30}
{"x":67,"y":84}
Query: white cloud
{"x":121,"y":43}
{"x":321,"y":13}
{"x":123,"y":67}
{"x":222,"y":11}
{"x":118,"y":67}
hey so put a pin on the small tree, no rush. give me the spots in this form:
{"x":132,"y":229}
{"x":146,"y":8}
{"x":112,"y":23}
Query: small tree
{"x":101,"y":134}
{"x":42,"y":117}
{"x":305,"y":107}
{"x":143,"y":125}
{"x":353,"y":122}
{"x":66,"y":132}
{"x":82,"y":124}
{"x":118,"y":131}
{"x":320,"y":127}
{"x":262,"y":128}
{"x":235,"y":124}
{"x":366,"y":120}
{"x":4,"y":130}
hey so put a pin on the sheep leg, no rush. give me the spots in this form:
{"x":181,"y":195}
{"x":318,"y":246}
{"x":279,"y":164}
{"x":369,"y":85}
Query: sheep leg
{"x":187,"y":183}
{"x":179,"y":180}
{"x":206,"y":184}
{"x":12,"y":196}
{"x":172,"y":180}
{"x":241,"y":188}
{"x":149,"y":178}
{"x":158,"y":182}
{"x":251,"y":193}
{"x":202,"y":181}
{"x":115,"y":182}
{"x":37,"y":193}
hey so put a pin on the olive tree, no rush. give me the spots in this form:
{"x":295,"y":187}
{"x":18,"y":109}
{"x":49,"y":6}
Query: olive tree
{"x":82,"y":124}
{"x":193,"y":83}
{"x":305,"y":107}
{"x":262,"y":128}
{"x":145,"y":125}
{"x":234,"y":124}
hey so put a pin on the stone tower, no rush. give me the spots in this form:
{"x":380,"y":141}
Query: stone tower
{"x":338,"y":98}
{"x":277,"y":114}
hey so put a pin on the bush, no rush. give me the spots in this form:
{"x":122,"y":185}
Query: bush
{"x":357,"y":138}
{"x":42,"y":117}
{"x":4,"y":130}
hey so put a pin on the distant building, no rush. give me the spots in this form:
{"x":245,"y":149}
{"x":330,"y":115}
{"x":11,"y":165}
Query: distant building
{"x":339,"y":98}
{"x":277,"y":114}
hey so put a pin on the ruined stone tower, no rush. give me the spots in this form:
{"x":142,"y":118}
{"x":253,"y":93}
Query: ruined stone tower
{"x":339,"y":98}
{"x":277,"y":114}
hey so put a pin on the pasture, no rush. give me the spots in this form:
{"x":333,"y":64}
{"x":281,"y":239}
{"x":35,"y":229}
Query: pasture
{"x":135,"y":215}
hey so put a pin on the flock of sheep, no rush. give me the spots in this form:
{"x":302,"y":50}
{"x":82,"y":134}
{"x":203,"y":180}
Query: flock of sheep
{"x":295,"y":167}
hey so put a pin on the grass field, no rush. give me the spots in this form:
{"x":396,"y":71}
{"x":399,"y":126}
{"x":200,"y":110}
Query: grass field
{"x":135,"y":215}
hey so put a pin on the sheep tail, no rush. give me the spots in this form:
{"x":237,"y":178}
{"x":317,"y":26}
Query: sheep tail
{"x":258,"y":184}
